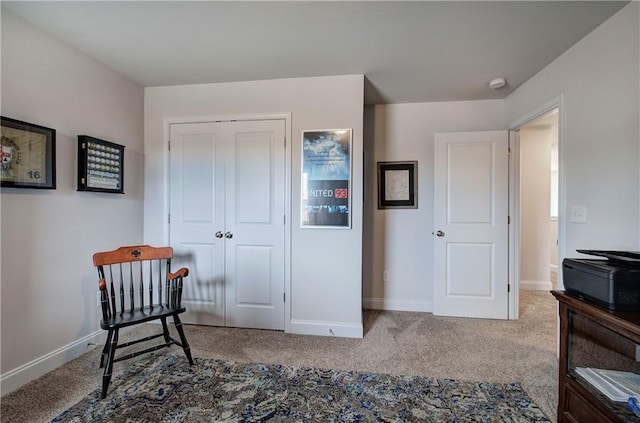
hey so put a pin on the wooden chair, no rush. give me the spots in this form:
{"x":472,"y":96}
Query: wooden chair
{"x":137,"y":286}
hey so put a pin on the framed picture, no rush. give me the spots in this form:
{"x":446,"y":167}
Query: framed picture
{"x":326,"y":179}
{"x":28,"y":155}
{"x":100,"y":165}
{"x":398,"y":185}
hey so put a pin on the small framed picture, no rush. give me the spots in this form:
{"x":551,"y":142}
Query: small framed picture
{"x":100,"y":165}
{"x":28,"y":154}
{"x":398,"y":185}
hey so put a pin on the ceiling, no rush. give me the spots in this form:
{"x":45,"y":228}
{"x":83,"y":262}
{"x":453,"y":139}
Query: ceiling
{"x":409,"y":51}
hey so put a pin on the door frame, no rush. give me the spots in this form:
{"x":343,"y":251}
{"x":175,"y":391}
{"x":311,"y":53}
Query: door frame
{"x":286,"y":117}
{"x":514,"y":197}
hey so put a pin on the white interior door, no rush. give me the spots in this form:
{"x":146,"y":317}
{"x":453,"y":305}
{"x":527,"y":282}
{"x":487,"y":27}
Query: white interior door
{"x":470,"y":224}
{"x":227,"y":220}
{"x":255,"y":213}
{"x":197,"y":212}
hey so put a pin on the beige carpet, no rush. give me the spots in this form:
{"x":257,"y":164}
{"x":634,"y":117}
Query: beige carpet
{"x":395,"y":342}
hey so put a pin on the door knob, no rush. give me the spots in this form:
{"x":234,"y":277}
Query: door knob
{"x":219,"y":234}
{"x":229,"y":235}
{"x":439,"y":233}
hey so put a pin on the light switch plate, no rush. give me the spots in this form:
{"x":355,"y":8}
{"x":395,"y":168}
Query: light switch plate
{"x":579,"y":214}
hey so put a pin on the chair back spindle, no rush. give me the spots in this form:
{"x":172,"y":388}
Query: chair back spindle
{"x":159,"y":283}
{"x":121,"y":289}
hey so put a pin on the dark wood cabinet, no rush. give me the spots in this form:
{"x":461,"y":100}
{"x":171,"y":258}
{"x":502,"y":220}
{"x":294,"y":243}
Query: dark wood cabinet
{"x":591,"y":336}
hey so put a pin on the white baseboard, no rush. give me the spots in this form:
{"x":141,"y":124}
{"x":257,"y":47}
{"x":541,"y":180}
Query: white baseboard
{"x":309,"y":327}
{"x":536,"y":285}
{"x":14,"y":379}
{"x":397,"y":304}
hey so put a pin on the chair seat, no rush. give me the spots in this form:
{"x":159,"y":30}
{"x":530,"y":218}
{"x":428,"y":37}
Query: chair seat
{"x":129,"y":318}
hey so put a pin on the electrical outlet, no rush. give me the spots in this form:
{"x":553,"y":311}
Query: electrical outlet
{"x":385,"y":276}
{"x":637,"y":352}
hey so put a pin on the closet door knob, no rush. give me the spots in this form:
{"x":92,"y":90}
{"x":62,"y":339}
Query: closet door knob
{"x":219,"y":234}
{"x":229,"y":235}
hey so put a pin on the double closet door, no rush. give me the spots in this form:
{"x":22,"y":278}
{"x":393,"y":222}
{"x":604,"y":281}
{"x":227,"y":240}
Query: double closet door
{"x":226,"y":223}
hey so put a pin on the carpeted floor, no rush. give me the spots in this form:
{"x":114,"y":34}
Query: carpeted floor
{"x":164,"y":388}
{"x":397,"y":343}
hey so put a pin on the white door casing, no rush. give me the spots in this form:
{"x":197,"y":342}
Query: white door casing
{"x":470,"y":224}
{"x":227,"y":210}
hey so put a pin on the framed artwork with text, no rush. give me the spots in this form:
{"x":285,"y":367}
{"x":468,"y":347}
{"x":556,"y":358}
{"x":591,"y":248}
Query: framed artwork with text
{"x":398,"y":185}
{"x":28,"y":154}
{"x":326,"y":179}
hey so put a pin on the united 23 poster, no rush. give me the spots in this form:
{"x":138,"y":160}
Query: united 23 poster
{"x":326,"y":178}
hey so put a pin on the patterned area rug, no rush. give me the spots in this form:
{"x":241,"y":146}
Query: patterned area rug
{"x":164,"y":388}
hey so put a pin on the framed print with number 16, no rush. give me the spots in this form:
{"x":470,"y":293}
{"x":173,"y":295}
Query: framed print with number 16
{"x":28,"y":154}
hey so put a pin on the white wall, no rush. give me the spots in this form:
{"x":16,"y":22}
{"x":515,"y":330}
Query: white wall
{"x":326,"y":264}
{"x":48,"y":281}
{"x":535,"y":230}
{"x":599,"y":81}
{"x":400,"y":240}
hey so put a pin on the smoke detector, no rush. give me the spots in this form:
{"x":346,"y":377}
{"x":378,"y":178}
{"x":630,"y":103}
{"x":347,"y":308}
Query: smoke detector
{"x":497,"y":83}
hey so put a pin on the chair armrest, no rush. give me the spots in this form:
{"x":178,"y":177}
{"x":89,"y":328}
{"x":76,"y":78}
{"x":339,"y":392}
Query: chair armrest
{"x":174,"y":284}
{"x":183,"y":272}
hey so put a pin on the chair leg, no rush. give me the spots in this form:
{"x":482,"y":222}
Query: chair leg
{"x":183,"y":339}
{"x":165,"y":330}
{"x":105,"y":349}
{"x":108,"y":370}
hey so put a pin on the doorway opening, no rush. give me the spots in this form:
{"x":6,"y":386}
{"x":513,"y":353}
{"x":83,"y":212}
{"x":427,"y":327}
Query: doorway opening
{"x":537,"y":205}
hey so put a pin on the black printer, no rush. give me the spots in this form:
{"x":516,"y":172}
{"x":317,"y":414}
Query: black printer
{"x":613,"y":283}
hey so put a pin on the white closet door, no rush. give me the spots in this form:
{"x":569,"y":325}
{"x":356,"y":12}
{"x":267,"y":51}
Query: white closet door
{"x":255,"y":199}
{"x":197,"y":176}
{"x":227,"y":220}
